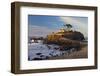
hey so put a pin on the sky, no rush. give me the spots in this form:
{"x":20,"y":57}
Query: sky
{"x":42,"y":25}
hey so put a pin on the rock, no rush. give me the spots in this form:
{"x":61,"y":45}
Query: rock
{"x":41,"y":55}
{"x":56,"y":48}
{"x":38,"y":53}
{"x":37,"y":59}
{"x":74,"y":35}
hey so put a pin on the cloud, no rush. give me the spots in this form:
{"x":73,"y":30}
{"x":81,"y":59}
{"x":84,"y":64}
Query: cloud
{"x":78,"y":23}
{"x":39,"y":31}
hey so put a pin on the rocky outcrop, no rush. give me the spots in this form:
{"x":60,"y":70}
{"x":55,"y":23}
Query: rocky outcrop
{"x":67,"y":39}
{"x":74,"y":35}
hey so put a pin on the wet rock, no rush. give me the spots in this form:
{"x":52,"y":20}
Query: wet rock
{"x":41,"y":55}
{"x":37,"y":59}
{"x":56,"y":48}
{"x":51,"y":54}
{"x":38,"y":53}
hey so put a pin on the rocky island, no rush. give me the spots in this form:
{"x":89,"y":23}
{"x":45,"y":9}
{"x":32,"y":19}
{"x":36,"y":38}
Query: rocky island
{"x":64,"y":44}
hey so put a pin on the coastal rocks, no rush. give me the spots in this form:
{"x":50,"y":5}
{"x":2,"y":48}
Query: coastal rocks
{"x":42,"y":52}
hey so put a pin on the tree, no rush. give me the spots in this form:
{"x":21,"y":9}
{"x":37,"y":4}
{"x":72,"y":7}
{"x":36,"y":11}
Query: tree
{"x":69,"y":26}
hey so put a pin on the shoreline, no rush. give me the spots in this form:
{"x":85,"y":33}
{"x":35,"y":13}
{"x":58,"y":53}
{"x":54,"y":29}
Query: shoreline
{"x":83,"y":53}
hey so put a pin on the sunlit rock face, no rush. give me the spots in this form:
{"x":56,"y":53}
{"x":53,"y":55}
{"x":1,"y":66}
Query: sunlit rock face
{"x":72,"y":35}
